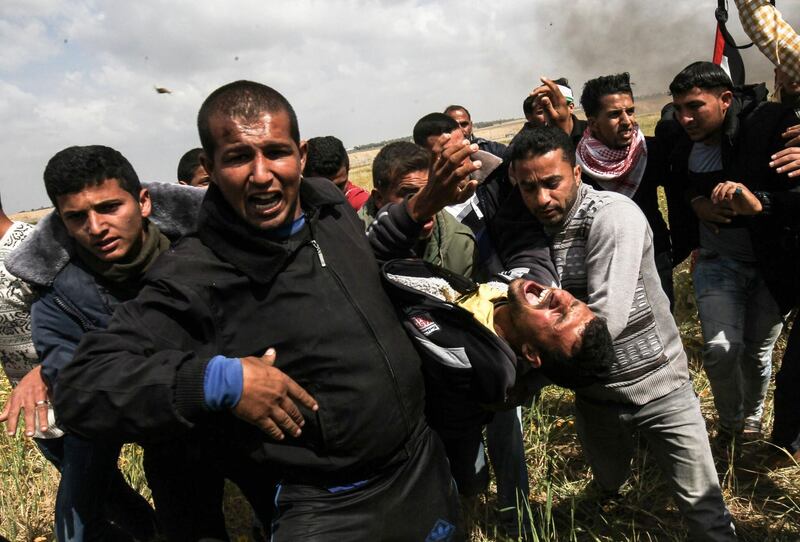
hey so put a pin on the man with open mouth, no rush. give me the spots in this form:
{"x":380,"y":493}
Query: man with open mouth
{"x":603,"y":250}
{"x":615,"y":155}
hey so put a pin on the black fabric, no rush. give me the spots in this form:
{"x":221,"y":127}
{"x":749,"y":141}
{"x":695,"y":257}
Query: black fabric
{"x":786,"y":426}
{"x":458,"y":398}
{"x":325,"y":312}
{"x":416,"y":501}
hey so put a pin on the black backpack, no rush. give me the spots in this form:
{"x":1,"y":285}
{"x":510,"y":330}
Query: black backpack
{"x":469,"y":371}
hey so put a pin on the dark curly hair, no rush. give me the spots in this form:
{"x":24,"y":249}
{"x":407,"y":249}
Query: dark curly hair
{"x":326,"y":155}
{"x":74,"y":168}
{"x":589,"y":362}
{"x":595,"y":89}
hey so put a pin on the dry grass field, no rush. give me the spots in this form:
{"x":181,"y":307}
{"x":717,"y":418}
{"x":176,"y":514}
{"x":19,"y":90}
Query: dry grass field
{"x":765,"y":504}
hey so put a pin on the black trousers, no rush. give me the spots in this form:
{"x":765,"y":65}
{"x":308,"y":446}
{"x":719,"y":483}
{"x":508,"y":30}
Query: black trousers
{"x":187,"y":479}
{"x":786,"y":426}
{"x":416,"y":500}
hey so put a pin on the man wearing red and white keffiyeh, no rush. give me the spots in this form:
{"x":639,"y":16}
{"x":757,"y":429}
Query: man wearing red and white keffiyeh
{"x":617,"y":169}
{"x":614,"y":155}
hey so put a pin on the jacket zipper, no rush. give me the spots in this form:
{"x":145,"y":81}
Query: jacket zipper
{"x":82,"y":320}
{"x":366,"y":324}
{"x":319,"y":252}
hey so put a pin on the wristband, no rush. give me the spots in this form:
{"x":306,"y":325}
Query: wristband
{"x":766,"y":202}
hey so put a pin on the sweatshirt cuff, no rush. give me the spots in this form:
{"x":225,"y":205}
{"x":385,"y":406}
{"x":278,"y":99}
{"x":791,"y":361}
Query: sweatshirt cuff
{"x":189,"y":393}
{"x":222,"y":383}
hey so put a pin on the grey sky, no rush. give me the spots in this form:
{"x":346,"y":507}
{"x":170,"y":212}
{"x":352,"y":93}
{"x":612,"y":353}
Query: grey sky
{"x":83,"y":72}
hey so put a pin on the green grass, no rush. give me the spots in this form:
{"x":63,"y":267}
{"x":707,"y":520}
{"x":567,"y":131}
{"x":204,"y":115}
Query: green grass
{"x":765,"y":504}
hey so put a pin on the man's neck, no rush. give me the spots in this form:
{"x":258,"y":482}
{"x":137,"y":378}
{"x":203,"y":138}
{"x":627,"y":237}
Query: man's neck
{"x":502,"y":320}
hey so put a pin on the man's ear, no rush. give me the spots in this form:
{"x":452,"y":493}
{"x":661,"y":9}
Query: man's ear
{"x":512,"y":177}
{"x":303,"y":148}
{"x":145,"y":204}
{"x":207,"y":164}
{"x":531,"y":355}
{"x":726,"y":98}
{"x":576,"y":172}
{"x":377,"y":199}
{"x":592,"y":123}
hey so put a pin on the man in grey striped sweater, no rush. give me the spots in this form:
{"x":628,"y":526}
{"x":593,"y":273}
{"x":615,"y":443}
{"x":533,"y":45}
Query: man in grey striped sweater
{"x":603,"y":251}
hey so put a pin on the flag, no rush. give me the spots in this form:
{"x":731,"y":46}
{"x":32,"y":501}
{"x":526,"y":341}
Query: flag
{"x":726,"y":53}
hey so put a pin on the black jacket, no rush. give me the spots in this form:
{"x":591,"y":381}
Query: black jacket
{"x":646,"y":196}
{"x":751,"y":134}
{"x":316,"y":298}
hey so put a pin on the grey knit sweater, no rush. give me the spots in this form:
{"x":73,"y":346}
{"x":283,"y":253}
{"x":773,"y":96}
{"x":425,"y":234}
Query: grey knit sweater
{"x":603,"y":253}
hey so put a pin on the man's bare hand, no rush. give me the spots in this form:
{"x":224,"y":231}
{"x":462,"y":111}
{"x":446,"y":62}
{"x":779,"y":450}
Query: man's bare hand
{"x":30,"y":397}
{"x":741,"y":200}
{"x":713,"y":213}
{"x":554,"y":104}
{"x":269,"y":396}
{"x":448,"y":177}
{"x":793,"y":135}
{"x":787,"y":160}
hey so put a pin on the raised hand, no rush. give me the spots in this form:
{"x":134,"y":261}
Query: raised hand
{"x":554,"y":104}
{"x":448,"y":177}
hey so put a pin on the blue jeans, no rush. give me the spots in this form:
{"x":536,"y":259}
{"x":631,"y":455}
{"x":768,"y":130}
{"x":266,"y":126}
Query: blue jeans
{"x":676,"y":432}
{"x":94,"y":502}
{"x":740,"y":322}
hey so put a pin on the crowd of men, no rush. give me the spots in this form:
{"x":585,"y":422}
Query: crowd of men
{"x":342,"y":354}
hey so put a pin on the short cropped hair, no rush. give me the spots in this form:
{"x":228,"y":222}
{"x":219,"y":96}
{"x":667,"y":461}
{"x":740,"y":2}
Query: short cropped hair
{"x":703,"y":75}
{"x":396,"y":160}
{"x":188,"y":163}
{"x":244,"y":100}
{"x":433,"y":124}
{"x":71,"y":170}
{"x":595,"y":89}
{"x":589,"y":362}
{"x":541,"y":140}
{"x":450,"y":108}
{"x":527,"y":106}
{"x":325,"y":156}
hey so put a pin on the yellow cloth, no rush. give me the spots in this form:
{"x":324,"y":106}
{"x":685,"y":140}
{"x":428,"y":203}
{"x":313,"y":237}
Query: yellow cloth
{"x":763,"y":24}
{"x":481,"y":304}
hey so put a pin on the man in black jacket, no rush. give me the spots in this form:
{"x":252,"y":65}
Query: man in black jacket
{"x":278,"y":293}
{"x":741,"y":279}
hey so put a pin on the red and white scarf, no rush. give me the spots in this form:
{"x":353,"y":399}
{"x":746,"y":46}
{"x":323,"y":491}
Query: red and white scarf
{"x":619,"y":170}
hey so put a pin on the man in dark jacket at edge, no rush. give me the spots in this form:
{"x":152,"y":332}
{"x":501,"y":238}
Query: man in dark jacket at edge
{"x":84,"y":260}
{"x":228,"y":322}
{"x":740,"y":277}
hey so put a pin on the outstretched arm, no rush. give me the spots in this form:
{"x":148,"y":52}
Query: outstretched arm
{"x":763,"y":23}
